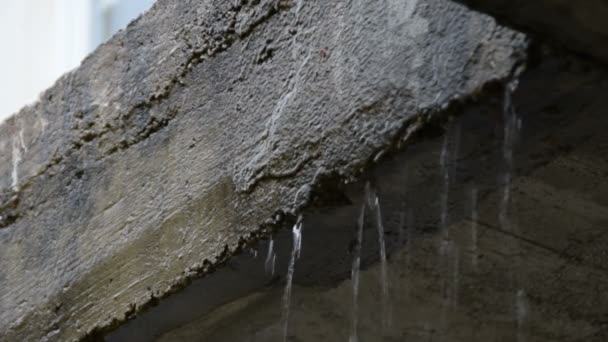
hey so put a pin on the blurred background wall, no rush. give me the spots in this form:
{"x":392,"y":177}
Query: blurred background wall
{"x":42,"y":39}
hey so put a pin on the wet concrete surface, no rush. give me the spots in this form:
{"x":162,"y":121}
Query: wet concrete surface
{"x":541,"y":277}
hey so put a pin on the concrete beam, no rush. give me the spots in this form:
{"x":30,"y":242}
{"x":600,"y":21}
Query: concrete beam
{"x":198,"y":127}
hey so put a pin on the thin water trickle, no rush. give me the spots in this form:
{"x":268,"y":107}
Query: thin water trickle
{"x":383,"y":266}
{"x":449,"y":254}
{"x":455,"y":276}
{"x":355,"y":270}
{"x":397,"y":281}
{"x":448,"y":276}
{"x":295,"y":253}
{"x":270,"y":258}
{"x":474,"y":219}
{"x":443,"y":161}
{"x":402,"y":228}
{"x":512,"y":126}
{"x":521,"y":308}
{"x":408,"y":250}
{"x":444,"y":245}
{"x":455,"y":259}
{"x":410,"y":238}
{"x":369,"y":195}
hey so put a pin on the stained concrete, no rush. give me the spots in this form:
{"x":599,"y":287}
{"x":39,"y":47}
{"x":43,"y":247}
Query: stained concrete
{"x":540,"y":275}
{"x":195,"y":129}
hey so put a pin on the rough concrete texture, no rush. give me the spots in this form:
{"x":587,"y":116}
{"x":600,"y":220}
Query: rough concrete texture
{"x":579,"y":26}
{"x":538,"y":275}
{"x":180,"y":138}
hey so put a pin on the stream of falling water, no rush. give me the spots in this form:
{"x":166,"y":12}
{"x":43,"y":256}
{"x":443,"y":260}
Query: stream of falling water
{"x":455,"y":276}
{"x":409,"y":249}
{"x":521,"y":308}
{"x":449,"y":258}
{"x":271,"y":258}
{"x":512,"y":128}
{"x":372,"y":200}
{"x":474,"y":219}
{"x":444,"y":245}
{"x":401,"y":242}
{"x":455,"y":256}
{"x":512,"y":124}
{"x":443,"y":162}
{"x":383,"y":266}
{"x":295,"y":254}
{"x":356,"y":268}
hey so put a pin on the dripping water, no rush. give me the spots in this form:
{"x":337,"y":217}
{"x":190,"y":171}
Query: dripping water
{"x":448,"y":251}
{"x":295,"y":254}
{"x":356,"y":268}
{"x":383,"y":266}
{"x":474,"y":220}
{"x":512,"y":125}
{"x":521,"y":307}
{"x":271,"y":257}
{"x":446,"y":159}
{"x":443,"y":161}
{"x":455,"y":257}
{"x":445,"y":234}
{"x":512,"y":128}
{"x":401,"y":240}
{"x":455,"y":276}
{"x":373,"y":202}
{"x":410,"y":236}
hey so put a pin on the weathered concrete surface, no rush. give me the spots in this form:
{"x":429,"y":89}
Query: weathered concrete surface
{"x":177,"y":140}
{"x":579,"y":26}
{"x":543,"y":277}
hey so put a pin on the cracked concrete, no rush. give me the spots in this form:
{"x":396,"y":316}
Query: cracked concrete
{"x":190,"y":133}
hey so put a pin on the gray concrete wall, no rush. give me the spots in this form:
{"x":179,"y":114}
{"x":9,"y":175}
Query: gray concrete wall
{"x":179,"y":139}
